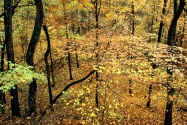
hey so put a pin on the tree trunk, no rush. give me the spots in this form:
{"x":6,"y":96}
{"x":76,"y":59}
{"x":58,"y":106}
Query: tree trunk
{"x":162,"y":22}
{"x":67,"y":37}
{"x":169,"y":104}
{"x":149,"y":96}
{"x":150,"y":86}
{"x":77,"y":59}
{"x":130,"y":87}
{"x":173,"y":25}
{"x":47,"y":64}
{"x":175,"y":6}
{"x":10,"y":53}
{"x":171,"y":42}
{"x":97,"y":7}
{"x":2,"y":94}
{"x":31,"y":51}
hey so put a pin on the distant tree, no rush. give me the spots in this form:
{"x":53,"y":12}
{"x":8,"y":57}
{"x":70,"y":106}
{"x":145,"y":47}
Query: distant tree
{"x":97,"y":8}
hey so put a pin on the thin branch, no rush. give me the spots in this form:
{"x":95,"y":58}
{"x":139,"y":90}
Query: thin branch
{"x":15,"y":6}
{"x":13,"y":9}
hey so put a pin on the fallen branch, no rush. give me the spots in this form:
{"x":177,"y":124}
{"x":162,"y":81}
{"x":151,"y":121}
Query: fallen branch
{"x":61,"y":93}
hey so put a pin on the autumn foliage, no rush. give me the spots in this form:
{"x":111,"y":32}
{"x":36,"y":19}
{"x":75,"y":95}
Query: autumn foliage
{"x":96,"y":62}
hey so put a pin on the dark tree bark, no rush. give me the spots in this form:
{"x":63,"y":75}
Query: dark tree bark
{"x":31,"y":51}
{"x":77,"y":59}
{"x":149,"y":96}
{"x":175,"y":6}
{"x":150,"y":86}
{"x":8,"y":8}
{"x":169,"y":104}
{"x":161,"y":22}
{"x":173,"y":25}
{"x":69,"y":65}
{"x":2,"y":95}
{"x":47,"y":64}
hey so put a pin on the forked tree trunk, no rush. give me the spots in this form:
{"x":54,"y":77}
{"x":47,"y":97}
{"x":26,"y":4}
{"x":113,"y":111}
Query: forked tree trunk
{"x":173,"y":25}
{"x":31,"y":51}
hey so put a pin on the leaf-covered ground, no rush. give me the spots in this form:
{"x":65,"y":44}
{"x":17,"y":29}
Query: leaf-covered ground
{"x":77,"y":106}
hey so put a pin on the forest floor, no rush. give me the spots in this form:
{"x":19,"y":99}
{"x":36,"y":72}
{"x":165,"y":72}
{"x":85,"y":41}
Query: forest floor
{"x":77,"y":107}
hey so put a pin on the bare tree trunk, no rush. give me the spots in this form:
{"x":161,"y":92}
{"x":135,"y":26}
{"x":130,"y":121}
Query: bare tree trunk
{"x":31,"y":51}
{"x":8,"y":7}
{"x":169,"y":104}
{"x":47,"y":64}
{"x":151,"y":86}
{"x":162,"y":22}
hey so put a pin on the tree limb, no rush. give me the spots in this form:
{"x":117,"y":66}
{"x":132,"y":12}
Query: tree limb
{"x":13,"y":9}
{"x":62,"y":92}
